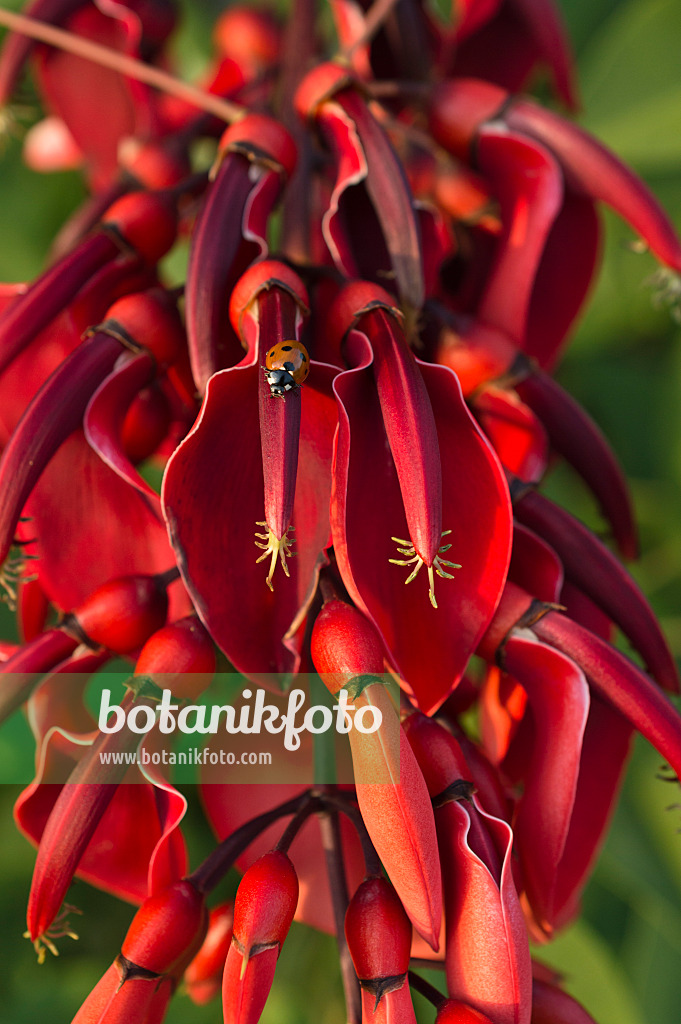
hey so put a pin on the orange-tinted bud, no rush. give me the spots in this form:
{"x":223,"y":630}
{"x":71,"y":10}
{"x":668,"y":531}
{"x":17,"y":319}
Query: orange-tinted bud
{"x":180,"y":657}
{"x":202,"y":977}
{"x":460,"y":108}
{"x":123,"y":613}
{"x":153,"y":164}
{"x":167,"y":929}
{"x":258,"y":134}
{"x":147,"y":222}
{"x":321,"y":84}
{"x":249,"y":37}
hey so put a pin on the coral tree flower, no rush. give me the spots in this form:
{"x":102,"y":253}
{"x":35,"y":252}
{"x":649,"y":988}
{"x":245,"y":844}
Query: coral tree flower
{"x":255,"y":157}
{"x":332,"y":98}
{"x":379,"y":939}
{"x":263,"y":911}
{"x":436,"y":470}
{"x":280,"y":469}
{"x":164,"y":935}
{"x":391,"y":792}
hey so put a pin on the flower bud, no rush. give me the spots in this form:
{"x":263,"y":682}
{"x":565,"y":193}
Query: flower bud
{"x":454,"y":1012}
{"x":166,"y":929}
{"x":345,"y":644}
{"x":202,"y":977}
{"x":150,"y":319}
{"x":146,"y":221}
{"x":146,"y":424}
{"x":121,"y":999}
{"x":180,"y":657}
{"x":123,"y":613}
{"x":265,"y":904}
{"x":378,"y":934}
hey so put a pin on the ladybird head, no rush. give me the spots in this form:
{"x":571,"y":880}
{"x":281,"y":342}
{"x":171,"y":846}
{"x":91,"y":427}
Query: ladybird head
{"x":280,"y":381}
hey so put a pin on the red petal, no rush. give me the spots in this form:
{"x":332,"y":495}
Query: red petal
{"x":575,"y":436}
{"x":620,"y":682}
{"x":213,"y":496}
{"x":591,"y":567}
{"x":487,"y":953}
{"x":593,"y":169}
{"x":105,"y":414}
{"x":367,"y":510}
{"x":397,"y":812}
{"x":526,"y":180}
{"x":516,"y":433}
{"x":559,"y":698}
{"x":550,"y":1005}
{"x":93,"y":532}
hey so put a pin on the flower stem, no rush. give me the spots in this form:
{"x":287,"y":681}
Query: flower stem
{"x":215,"y":866}
{"x":428,"y":991}
{"x":331,"y":841}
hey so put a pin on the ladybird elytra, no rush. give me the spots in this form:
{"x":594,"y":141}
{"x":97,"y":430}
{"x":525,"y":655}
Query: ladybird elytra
{"x":287,"y":365}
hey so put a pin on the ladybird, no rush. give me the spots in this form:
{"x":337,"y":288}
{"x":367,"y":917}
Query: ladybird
{"x":287,"y":366}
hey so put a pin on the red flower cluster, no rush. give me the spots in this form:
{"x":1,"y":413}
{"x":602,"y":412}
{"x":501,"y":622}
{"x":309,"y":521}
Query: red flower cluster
{"x":350,"y":396}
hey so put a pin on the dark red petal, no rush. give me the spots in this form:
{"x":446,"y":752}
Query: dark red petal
{"x":54,"y":413}
{"x":213,"y":497}
{"x":566,"y":271}
{"x":535,"y":566}
{"x":50,"y":293}
{"x":575,"y":436}
{"x":105,"y":415}
{"x":593,"y":169}
{"x":256,"y":156}
{"x":544,"y":22}
{"x":559,"y":699}
{"x":594,"y":570}
{"x":550,"y":1005}
{"x":606,"y":746}
{"x":620,"y":682}
{"x":526,"y":180}
{"x":367,"y":511}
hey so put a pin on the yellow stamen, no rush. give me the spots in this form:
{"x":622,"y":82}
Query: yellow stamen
{"x":406,"y":547}
{"x":59,"y":929}
{"x":276,"y":548}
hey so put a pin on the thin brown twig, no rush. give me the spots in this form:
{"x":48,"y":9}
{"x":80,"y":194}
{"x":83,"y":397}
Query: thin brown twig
{"x":128,"y":66}
{"x":373,"y":21}
{"x":331,"y":841}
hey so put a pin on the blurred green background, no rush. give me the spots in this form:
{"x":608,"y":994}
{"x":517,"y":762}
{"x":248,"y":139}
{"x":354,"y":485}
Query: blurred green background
{"x":623,"y":958}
